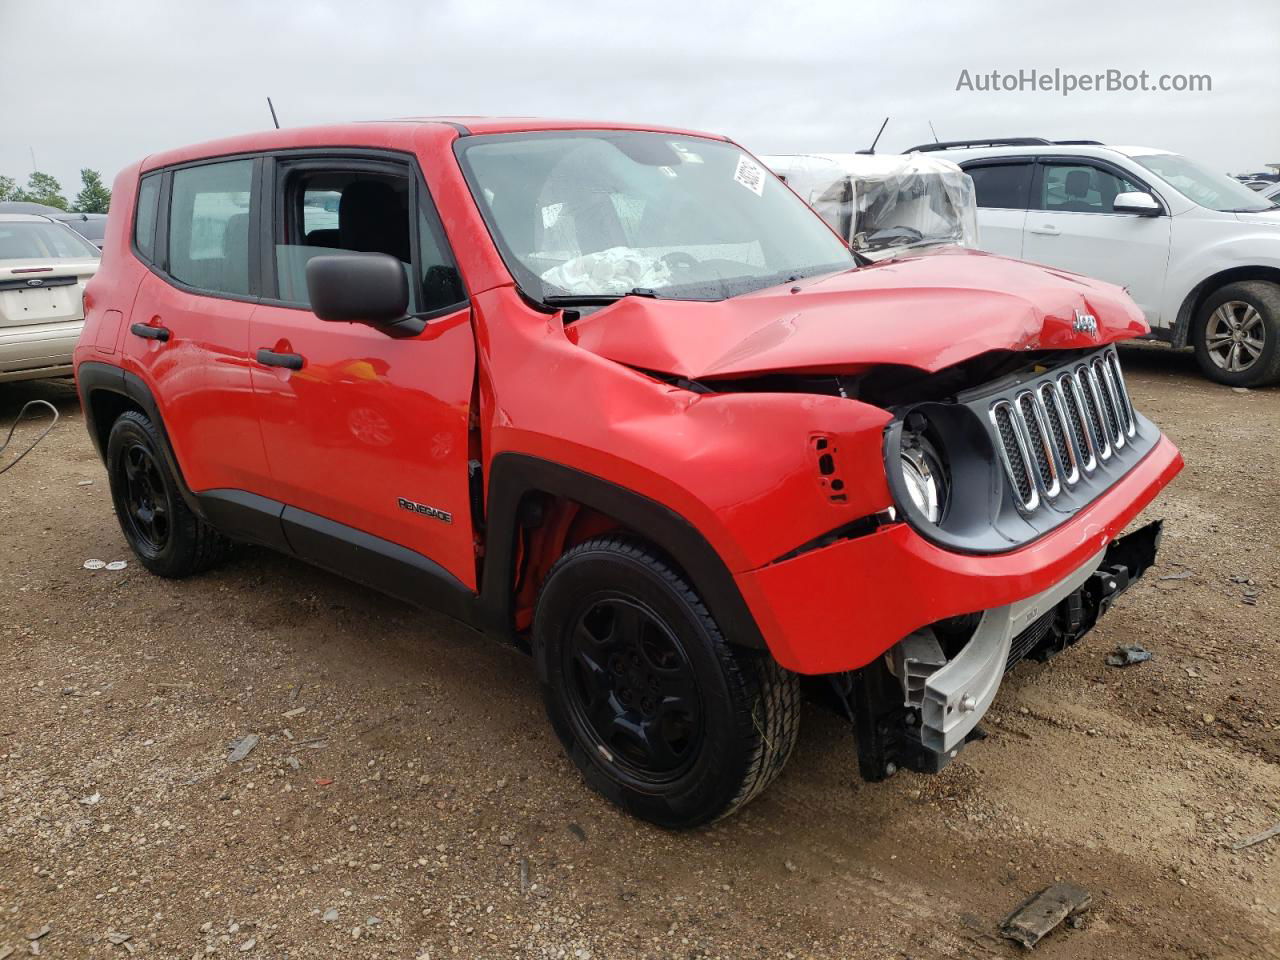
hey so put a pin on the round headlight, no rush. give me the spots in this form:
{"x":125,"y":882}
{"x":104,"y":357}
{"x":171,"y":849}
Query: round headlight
{"x":925,"y":482}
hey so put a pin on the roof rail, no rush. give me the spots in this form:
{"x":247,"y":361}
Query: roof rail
{"x":1079,"y":143}
{"x":990,"y":142}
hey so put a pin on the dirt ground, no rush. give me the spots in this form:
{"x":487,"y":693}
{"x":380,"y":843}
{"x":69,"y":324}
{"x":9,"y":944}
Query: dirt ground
{"x":407,"y":799}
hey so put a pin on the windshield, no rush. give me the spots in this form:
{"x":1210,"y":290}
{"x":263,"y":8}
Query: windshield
{"x":1198,"y":183}
{"x":602,"y":214}
{"x":42,"y":240}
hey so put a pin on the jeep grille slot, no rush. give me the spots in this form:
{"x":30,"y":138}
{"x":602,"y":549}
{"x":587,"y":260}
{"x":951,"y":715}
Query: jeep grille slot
{"x":1073,"y":398}
{"x":1036,"y":423}
{"x":1015,"y":454}
{"x":1092,"y":397}
{"x":1122,"y":392}
{"x":1110,"y":402}
{"x":1055,"y":408}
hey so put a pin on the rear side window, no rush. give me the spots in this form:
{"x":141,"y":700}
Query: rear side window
{"x":1006,"y":185}
{"x":209,"y":226}
{"x":144,"y":222}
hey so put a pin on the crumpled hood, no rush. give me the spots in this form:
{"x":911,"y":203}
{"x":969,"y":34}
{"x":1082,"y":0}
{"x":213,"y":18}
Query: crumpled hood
{"x":928,"y":311}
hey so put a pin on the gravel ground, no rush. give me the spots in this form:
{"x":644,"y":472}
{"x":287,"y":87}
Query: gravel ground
{"x":406,"y":798}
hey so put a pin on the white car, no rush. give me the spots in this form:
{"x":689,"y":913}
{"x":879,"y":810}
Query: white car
{"x":44,"y":266}
{"x":1198,"y":250}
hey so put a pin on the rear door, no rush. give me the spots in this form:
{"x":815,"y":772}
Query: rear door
{"x":1002,"y":188}
{"x":188,"y":332}
{"x":367,"y":434}
{"x":1073,"y":225}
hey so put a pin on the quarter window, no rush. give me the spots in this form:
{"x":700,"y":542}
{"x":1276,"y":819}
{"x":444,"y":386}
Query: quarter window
{"x":1081,"y":188}
{"x":144,"y":224}
{"x":1005,"y":185}
{"x":209,"y":226}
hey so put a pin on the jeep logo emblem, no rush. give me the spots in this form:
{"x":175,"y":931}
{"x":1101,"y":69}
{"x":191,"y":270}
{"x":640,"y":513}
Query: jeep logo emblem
{"x":1085,"y":323}
{"x":421,"y":508}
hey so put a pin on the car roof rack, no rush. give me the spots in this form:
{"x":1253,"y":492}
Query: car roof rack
{"x":988,"y":142}
{"x":1001,"y":142}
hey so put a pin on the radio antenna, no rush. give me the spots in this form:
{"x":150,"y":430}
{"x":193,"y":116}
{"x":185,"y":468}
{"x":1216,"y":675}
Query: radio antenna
{"x":872,"y":149}
{"x":272,"y":108}
{"x":934,"y":132}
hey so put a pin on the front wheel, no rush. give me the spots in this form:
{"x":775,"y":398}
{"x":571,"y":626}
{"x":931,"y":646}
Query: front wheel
{"x":1237,"y":334}
{"x":658,"y":712}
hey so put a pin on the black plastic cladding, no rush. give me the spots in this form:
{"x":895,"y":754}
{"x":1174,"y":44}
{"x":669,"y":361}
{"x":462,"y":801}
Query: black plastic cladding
{"x":985,"y":513}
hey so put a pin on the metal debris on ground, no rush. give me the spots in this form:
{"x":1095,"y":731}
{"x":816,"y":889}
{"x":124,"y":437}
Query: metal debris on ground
{"x":94,"y":564}
{"x":42,"y":932}
{"x":1039,"y":914}
{"x":117,"y":564}
{"x":1128,"y":654}
{"x":118,"y":938}
{"x":242,"y":748}
{"x":1267,"y":834}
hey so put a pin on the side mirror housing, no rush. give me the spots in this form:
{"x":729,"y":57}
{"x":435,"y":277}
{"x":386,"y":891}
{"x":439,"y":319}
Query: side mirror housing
{"x":367,"y":288}
{"x":1143,"y":204}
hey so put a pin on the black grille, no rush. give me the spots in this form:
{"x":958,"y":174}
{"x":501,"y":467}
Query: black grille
{"x":1108,"y":403}
{"x":1126,"y":410}
{"x":1009,"y":439}
{"x":1027,"y":406}
{"x":1091,"y":406}
{"x":1077,"y":421}
{"x":1060,"y":441}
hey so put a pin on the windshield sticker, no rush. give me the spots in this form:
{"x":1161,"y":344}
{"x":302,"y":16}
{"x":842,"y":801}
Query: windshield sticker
{"x":685,"y":154}
{"x":750,"y":174}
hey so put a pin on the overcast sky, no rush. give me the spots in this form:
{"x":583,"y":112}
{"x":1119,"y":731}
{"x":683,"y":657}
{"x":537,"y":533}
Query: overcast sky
{"x":100,"y":84}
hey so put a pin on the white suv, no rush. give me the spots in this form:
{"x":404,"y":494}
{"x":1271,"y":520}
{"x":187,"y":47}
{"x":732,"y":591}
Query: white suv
{"x":1197,"y":250}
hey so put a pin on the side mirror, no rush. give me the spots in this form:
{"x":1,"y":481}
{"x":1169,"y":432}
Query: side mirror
{"x":1143,"y":204}
{"x":367,"y":288}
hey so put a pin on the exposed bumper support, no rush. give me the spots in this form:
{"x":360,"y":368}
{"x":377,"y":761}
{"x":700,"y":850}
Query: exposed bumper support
{"x":957,"y":695}
{"x":921,"y":717}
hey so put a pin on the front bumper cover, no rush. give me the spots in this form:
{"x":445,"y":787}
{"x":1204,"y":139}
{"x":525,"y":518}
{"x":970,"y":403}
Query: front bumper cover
{"x":919,"y":713}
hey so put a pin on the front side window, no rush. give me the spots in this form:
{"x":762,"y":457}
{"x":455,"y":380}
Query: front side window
{"x":1005,"y":186}
{"x":1201,"y":185}
{"x":209,"y":226}
{"x":1081,"y":188}
{"x":605,"y":213}
{"x":363,"y":210}
{"x":43,"y":240}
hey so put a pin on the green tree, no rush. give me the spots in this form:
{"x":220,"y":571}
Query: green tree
{"x":43,"y":188}
{"x":94,"y":197}
{"x":8,"y":188}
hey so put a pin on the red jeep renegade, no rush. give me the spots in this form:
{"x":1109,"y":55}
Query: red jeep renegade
{"x":616,"y":395}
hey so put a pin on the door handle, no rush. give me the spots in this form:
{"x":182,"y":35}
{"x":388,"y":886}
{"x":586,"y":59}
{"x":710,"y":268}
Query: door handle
{"x":269,"y":358}
{"x":1047,"y":230}
{"x":148,"y":332}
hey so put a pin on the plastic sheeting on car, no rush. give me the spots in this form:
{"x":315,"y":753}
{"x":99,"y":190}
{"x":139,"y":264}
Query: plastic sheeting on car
{"x":883,"y":204}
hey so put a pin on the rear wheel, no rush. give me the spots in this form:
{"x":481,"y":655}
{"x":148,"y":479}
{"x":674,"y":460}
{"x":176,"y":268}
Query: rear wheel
{"x":657,"y":710}
{"x":166,"y":536}
{"x":1237,"y":334}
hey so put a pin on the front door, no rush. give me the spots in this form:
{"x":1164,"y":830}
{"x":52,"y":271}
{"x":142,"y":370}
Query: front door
{"x":1072,"y":225}
{"x":367,"y":434}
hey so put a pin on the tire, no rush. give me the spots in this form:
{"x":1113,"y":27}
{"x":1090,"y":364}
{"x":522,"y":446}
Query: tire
{"x":167,"y":538}
{"x":618,"y":634}
{"x":1237,"y":334}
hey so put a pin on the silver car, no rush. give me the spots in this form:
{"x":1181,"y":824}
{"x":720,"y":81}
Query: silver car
{"x":44,"y":266}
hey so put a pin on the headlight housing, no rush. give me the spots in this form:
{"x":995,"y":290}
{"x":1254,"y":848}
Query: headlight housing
{"x":924,"y":472}
{"x":925,"y":482}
